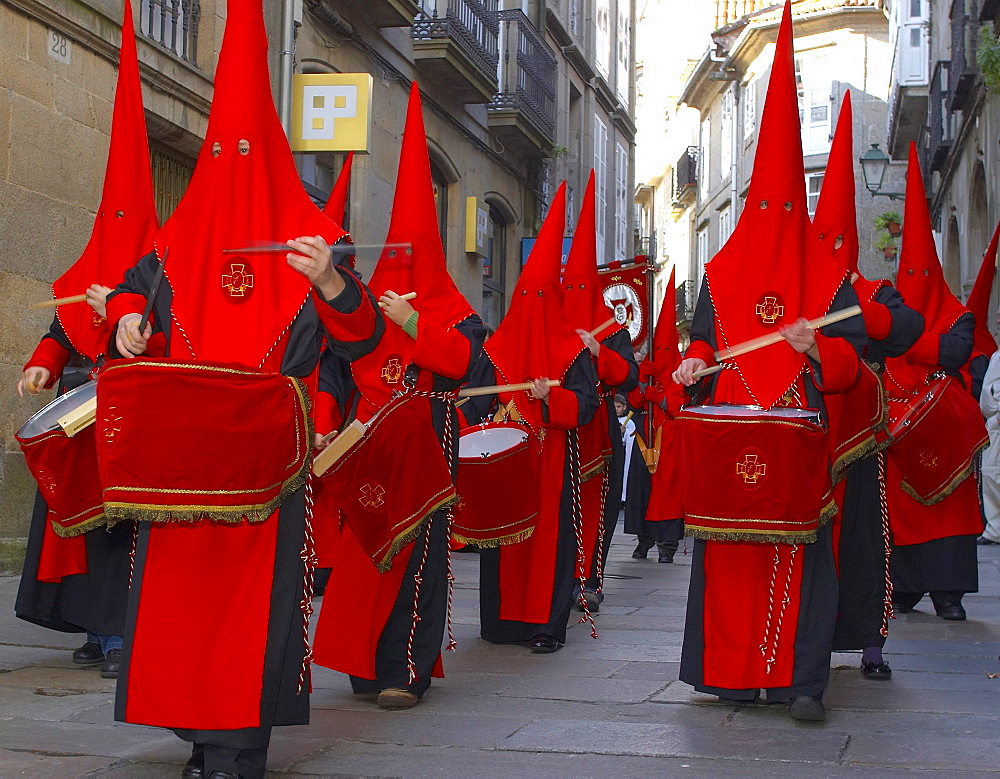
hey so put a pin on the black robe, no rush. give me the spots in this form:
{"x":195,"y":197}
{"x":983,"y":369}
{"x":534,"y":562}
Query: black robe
{"x":862,"y":549}
{"x":94,"y":601}
{"x":580,"y":379}
{"x":281,"y":701}
{"x":818,"y":593}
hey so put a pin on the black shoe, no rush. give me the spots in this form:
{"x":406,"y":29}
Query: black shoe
{"x":666,"y":552}
{"x":543,"y":644}
{"x":984,"y":541}
{"x":194,"y":768}
{"x":951,"y":611}
{"x":641,"y":550}
{"x":223,"y":775}
{"x":876,"y":670}
{"x":904,"y":602}
{"x":807,"y":708}
{"x":112,"y":664}
{"x":89,"y":654}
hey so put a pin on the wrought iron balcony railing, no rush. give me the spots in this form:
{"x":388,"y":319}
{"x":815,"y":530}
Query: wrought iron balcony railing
{"x":527,"y":73}
{"x":172,"y":24}
{"x":685,"y":177}
{"x":964,"y":41}
{"x":940,"y":130}
{"x":472,"y":24}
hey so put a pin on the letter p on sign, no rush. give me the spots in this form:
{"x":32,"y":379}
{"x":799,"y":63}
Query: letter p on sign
{"x":331,"y":112}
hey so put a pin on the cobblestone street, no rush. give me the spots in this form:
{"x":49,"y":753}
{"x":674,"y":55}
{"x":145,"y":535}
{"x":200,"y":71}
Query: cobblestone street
{"x":597,"y":708}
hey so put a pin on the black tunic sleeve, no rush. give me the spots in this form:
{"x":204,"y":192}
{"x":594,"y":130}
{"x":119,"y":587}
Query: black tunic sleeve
{"x":480,"y":408}
{"x":956,"y":345}
{"x":907,"y":326}
{"x":621,"y":342}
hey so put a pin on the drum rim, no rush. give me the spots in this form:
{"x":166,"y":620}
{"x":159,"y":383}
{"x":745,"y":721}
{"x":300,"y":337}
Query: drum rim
{"x":58,"y":399}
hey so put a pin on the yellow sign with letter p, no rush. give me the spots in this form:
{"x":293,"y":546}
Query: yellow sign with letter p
{"x":331,"y":112}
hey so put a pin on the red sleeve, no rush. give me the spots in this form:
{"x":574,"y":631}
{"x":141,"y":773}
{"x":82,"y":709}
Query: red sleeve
{"x":125,"y":303}
{"x":838,"y":364}
{"x":701,"y":350}
{"x":52,"y":355}
{"x":675,"y":397}
{"x":444,"y":351}
{"x":654,"y":393}
{"x":563,"y":409}
{"x":355,"y":326}
{"x":612,"y":368}
{"x":637,"y":397}
{"x":926,"y":349}
{"x":326,"y":413}
{"x":878,"y":320}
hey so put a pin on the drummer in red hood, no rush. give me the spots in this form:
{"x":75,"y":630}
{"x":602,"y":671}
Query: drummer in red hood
{"x":388,"y":634}
{"x":762,"y":604}
{"x":935,"y":546}
{"x":527,"y":589}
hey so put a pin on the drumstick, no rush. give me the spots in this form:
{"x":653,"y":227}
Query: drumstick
{"x":407,"y":296}
{"x":494,"y":389}
{"x":600,"y":327}
{"x":59,"y":301}
{"x":767,"y":340}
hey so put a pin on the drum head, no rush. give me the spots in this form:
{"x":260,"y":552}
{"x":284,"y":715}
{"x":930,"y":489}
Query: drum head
{"x":486,"y":441}
{"x":47,"y":418}
{"x":752,"y":411}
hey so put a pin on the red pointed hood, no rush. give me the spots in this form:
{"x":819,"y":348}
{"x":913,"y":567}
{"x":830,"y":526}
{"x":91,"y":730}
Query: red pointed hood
{"x":337,"y":204}
{"x":535,"y":340}
{"x":421,"y":269}
{"x":920,"y":279}
{"x":245,"y":189}
{"x":126,"y":219}
{"x":763,"y":279}
{"x":583,"y":300}
{"x":666,"y":354}
{"x":979,"y":299}
{"x":835,"y":223}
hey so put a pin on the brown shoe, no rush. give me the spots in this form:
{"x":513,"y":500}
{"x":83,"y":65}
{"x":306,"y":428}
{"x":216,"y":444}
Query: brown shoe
{"x":394,"y":698}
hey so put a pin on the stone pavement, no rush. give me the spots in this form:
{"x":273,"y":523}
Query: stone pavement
{"x":597,"y":708}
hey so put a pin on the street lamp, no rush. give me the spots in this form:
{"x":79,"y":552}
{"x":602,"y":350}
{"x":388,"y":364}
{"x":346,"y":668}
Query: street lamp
{"x":873,"y":164}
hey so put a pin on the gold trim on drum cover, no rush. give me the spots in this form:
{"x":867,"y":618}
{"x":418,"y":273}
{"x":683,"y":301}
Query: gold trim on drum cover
{"x":494,"y":543}
{"x":949,"y":485}
{"x":509,"y":524}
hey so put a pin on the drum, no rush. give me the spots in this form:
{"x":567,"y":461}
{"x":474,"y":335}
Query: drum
{"x":859,"y":421}
{"x":65,"y":467}
{"x":935,"y":440}
{"x":498,"y":484}
{"x":754,"y":475}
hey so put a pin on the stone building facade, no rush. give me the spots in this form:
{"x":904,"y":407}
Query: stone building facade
{"x":518,"y":96}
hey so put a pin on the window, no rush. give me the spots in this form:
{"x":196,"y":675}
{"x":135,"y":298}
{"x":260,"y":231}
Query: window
{"x":602,"y":38}
{"x":813,"y":83}
{"x":495,"y":270}
{"x":171,"y":175}
{"x":601,"y":184}
{"x":814,"y":182}
{"x":703,"y":158}
{"x":621,"y":201}
{"x":912,"y":56}
{"x":624,"y":49}
{"x":173,"y":25}
{"x":726,"y":131}
{"x":574,"y":17}
{"x":749,"y":110}
{"x":725,"y":226}
{"x":702,"y":254}
{"x":440,"y":184}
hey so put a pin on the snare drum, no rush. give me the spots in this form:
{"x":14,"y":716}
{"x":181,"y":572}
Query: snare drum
{"x":498,"y":483}
{"x":65,"y":467}
{"x":935,"y":440}
{"x":754,"y":475}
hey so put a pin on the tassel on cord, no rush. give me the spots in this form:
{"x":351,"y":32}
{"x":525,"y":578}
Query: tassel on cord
{"x":308,"y":557}
{"x":887,"y":609}
{"x":574,"y":479}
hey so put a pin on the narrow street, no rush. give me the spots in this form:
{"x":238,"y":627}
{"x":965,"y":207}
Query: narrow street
{"x":610,"y":707}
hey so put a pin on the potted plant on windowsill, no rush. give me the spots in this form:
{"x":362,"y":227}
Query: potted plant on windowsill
{"x":891,"y":222}
{"x":887,"y":243}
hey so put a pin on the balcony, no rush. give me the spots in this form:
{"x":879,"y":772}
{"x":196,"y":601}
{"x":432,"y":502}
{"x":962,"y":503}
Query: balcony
{"x":455,"y":45}
{"x":963,"y":72}
{"x":522,"y":113}
{"x":173,"y":24}
{"x":940,"y":131}
{"x":685,"y":179}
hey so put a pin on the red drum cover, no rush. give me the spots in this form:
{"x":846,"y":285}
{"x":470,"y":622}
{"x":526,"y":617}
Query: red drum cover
{"x":935,"y":440}
{"x":392,"y":480}
{"x":500,"y":490}
{"x":859,"y":421}
{"x":66,"y":472}
{"x":190,"y":441}
{"x":752,"y":475}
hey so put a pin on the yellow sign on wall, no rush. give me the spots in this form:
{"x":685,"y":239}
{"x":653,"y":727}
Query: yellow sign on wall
{"x":331,"y":112}
{"x":477,"y":225}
